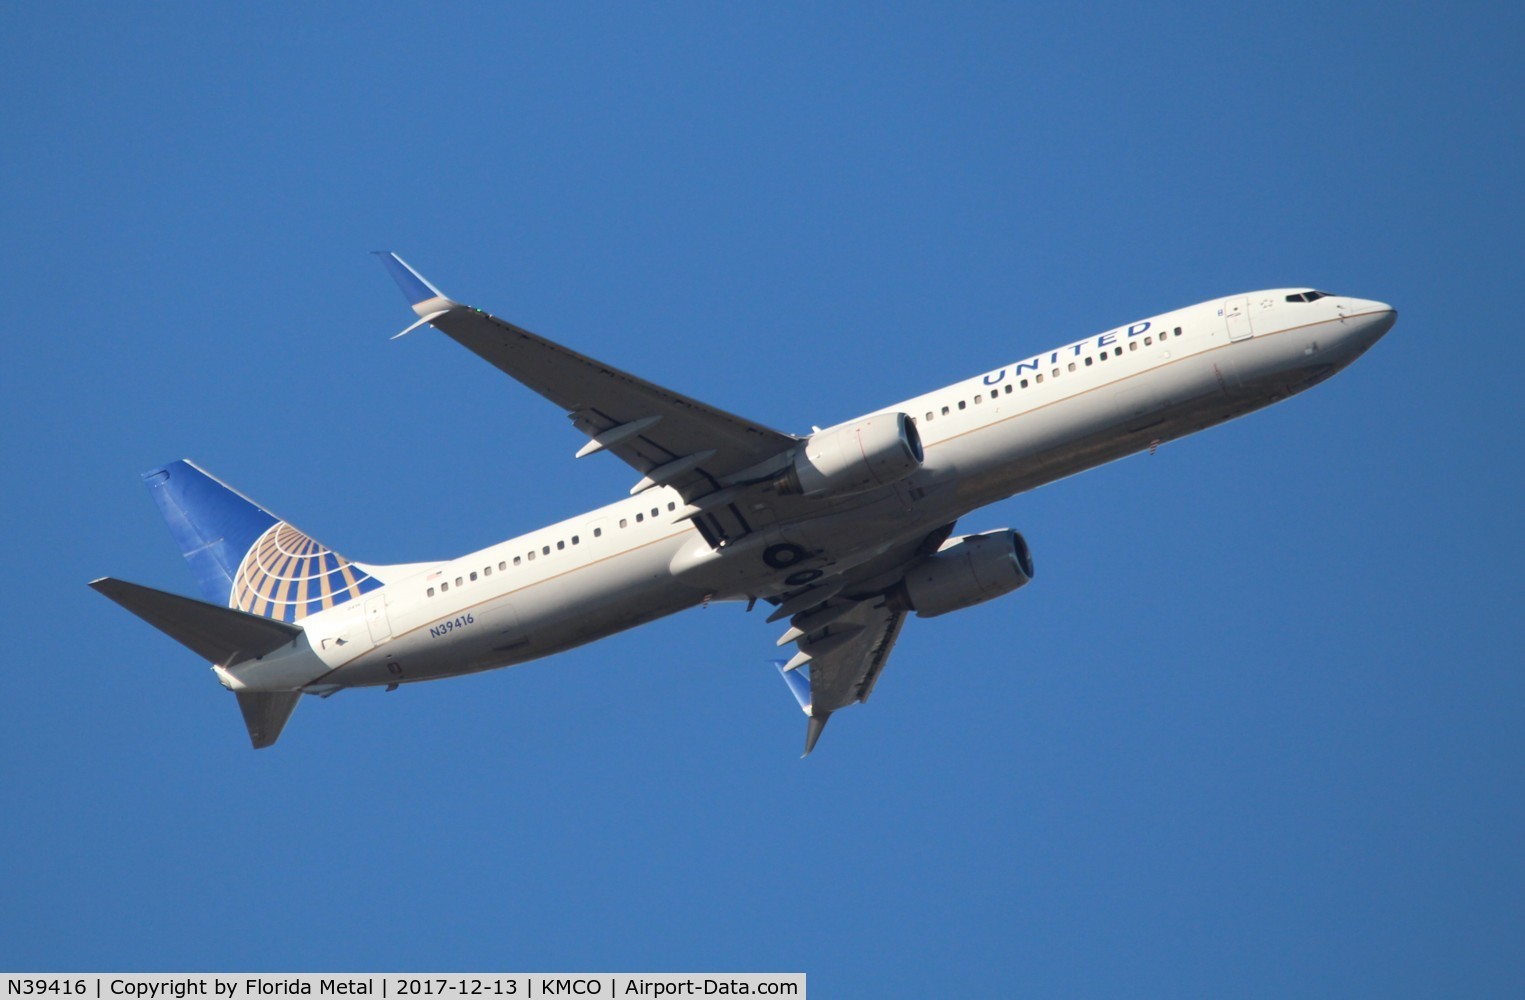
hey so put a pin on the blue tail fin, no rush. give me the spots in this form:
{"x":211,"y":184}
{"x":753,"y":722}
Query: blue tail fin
{"x":246,"y":558}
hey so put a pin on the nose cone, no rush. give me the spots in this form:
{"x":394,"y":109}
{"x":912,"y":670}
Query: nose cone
{"x":1369,"y":318}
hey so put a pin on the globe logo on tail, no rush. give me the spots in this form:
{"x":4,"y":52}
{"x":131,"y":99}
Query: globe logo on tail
{"x":289,"y":575}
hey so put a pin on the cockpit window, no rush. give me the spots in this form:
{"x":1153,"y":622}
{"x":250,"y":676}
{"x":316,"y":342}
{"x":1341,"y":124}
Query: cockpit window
{"x":1307,"y":296}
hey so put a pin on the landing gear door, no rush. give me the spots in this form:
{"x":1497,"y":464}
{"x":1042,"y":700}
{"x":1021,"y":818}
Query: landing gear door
{"x":1236,"y":317}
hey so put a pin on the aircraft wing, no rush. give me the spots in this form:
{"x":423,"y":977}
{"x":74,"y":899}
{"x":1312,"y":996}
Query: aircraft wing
{"x":844,"y":657}
{"x":671,"y":439}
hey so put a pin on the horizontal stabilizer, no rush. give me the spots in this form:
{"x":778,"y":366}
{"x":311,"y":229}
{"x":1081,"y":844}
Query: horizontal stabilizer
{"x":222,"y":635}
{"x":265,"y":713}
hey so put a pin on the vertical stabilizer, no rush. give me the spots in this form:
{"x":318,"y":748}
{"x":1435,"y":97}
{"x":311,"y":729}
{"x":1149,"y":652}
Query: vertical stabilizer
{"x":243,"y":556}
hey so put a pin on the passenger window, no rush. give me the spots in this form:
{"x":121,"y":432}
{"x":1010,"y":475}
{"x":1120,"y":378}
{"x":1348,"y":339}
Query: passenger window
{"x":545,"y":550}
{"x":1008,"y":388}
{"x":1132,"y":345}
{"x":487,"y":571}
{"x":1024,"y":383}
{"x":473,"y":577}
{"x":1072,"y":366}
{"x":1148,"y":341}
{"x":431,"y":591}
{"x":656,"y":512}
{"x":1117,"y":351}
{"x":624,"y":523}
{"x":976,"y":399}
{"x":560,"y":546}
{"x":945,"y":411}
{"x":530,"y":555}
{"x":1178,"y":331}
{"x":444,"y":587}
{"x":672,"y":505}
{"x":639,"y":518}
{"x":1056,"y":373}
{"x":1102,"y":356}
{"x":574,"y":539}
{"x":598,"y":532}
{"x":929,"y":415}
{"x":459,"y":582}
{"x":1038,"y":377}
{"x":516,"y":560}
{"x":1089,"y":361}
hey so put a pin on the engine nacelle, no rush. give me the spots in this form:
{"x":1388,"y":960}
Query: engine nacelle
{"x":966,"y":571}
{"x":854,"y":458}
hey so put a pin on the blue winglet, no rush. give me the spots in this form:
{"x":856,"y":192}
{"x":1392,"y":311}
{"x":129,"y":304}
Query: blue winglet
{"x":799,"y":685}
{"x":413,"y":285}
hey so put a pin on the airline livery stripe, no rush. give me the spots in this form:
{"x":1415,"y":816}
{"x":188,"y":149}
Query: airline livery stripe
{"x":1118,"y":381}
{"x":455,"y":611}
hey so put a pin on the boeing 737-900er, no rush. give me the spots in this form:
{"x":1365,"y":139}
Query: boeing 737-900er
{"x":843,"y":532}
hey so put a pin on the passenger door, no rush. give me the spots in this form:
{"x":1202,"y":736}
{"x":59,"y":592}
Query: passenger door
{"x":376,"y":618}
{"x":1236,"y":317}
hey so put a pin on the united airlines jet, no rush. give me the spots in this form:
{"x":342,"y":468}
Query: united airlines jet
{"x":841,"y":533}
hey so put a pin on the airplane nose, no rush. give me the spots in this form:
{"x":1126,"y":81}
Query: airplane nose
{"x":1372,"y":319}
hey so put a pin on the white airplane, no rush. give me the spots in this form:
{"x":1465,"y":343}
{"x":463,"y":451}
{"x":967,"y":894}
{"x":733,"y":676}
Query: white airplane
{"x":843,"y":532}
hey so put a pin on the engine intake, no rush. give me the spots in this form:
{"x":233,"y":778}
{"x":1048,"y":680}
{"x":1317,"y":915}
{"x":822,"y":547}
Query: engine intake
{"x":854,"y":458}
{"x":966,"y":571}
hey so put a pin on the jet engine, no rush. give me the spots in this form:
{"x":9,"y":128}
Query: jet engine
{"x":966,"y":571}
{"x":854,"y":458}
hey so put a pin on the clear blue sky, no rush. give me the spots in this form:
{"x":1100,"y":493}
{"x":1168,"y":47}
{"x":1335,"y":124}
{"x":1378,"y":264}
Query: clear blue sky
{"x":1254,"y":730}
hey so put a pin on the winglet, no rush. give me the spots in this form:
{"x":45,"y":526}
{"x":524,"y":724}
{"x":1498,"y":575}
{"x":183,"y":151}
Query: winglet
{"x":799,"y":686}
{"x":426,"y":300}
{"x":798,"y":682}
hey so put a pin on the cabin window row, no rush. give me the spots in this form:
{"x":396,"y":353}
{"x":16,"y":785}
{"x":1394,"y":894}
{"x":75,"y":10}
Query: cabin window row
{"x":656,"y":512}
{"x":545,"y":550}
{"x":1116,"y":352}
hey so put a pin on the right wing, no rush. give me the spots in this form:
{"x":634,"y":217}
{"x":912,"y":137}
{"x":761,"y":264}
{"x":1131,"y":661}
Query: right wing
{"x":671,"y":439}
{"x":844,"y":644}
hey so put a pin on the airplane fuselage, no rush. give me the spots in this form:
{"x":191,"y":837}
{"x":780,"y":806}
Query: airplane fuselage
{"x":992,"y":436}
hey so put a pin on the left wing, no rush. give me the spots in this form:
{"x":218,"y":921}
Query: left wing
{"x":671,"y":439}
{"x":844,"y":644}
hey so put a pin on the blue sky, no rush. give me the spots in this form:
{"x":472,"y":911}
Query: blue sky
{"x":1254,"y":730}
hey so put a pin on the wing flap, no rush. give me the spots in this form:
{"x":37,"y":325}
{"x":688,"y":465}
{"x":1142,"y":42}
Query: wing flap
{"x":847,"y":671}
